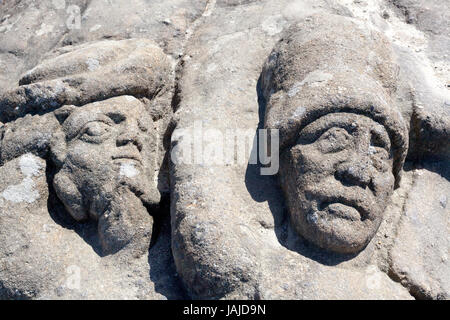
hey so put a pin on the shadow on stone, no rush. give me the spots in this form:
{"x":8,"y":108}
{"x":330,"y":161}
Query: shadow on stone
{"x":162,"y":266}
{"x":87,"y":230}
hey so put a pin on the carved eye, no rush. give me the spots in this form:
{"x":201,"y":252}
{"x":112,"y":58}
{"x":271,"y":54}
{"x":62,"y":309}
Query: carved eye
{"x":334,"y":140}
{"x":94,"y":131}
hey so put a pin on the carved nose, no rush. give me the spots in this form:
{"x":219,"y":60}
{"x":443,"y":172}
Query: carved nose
{"x":129,"y":138}
{"x":354,"y":173}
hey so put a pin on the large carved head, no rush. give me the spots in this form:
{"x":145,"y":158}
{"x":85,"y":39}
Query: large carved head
{"x":328,"y":86}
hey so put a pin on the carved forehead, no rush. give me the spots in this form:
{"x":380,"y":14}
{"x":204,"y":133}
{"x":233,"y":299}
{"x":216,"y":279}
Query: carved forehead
{"x":350,"y":121}
{"x":116,"y":109}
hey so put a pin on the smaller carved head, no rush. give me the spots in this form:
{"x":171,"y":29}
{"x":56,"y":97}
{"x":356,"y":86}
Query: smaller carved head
{"x":104,"y":151}
{"x":107,"y":155}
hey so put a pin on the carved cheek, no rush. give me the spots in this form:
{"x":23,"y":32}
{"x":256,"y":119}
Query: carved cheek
{"x":313,"y":163}
{"x":87,"y":156}
{"x":383,"y":183}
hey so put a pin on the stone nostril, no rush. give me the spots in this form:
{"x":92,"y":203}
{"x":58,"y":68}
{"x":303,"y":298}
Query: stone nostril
{"x":138,"y":144}
{"x":124,"y":140}
{"x":351,"y":174}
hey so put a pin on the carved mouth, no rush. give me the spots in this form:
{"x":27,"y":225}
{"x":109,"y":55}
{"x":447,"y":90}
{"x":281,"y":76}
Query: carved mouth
{"x":345,"y":208}
{"x":342,"y":211}
{"x":127,"y":158}
{"x":342,"y":206}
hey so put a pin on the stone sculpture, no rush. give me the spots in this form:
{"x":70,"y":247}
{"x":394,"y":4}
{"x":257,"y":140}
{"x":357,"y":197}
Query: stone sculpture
{"x":342,"y":140}
{"x":108,"y":151}
{"x":351,"y":70}
{"x":98,"y":114}
{"x":105,"y":152}
{"x":95,"y":205}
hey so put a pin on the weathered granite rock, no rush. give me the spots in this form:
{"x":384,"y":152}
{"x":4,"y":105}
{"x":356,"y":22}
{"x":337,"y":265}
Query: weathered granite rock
{"x":30,"y":29}
{"x":46,"y":255}
{"x":431,"y":17}
{"x":431,"y":97}
{"x":231,"y":233}
{"x":83,"y":74}
{"x":98,"y":114}
{"x":28,"y":134}
{"x":74,"y":224}
{"x":420,"y":254}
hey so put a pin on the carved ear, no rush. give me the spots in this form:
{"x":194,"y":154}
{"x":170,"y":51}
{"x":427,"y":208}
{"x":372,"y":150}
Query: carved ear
{"x":70,"y":196}
{"x":58,"y":142}
{"x":58,"y":147}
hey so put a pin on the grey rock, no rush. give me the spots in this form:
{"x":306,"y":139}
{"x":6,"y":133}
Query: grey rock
{"x":419,"y":259}
{"x":431,"y":98}
{"x":97,"y":113}
{"x":230,"y":229}
{"x":83,"y":74}
{"x":47,"y":255}
{"x":431,"y":17}
{"x":168,"y":86}
{"x":29,"y":30}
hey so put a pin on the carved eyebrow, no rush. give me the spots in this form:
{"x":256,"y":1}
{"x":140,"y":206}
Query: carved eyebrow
{"x":75,"y":131}
{"x":310,"y":134}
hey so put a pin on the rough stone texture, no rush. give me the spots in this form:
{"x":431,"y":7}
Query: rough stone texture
{"x":430,"y":96}
{"x":87,"y":73}
{"x":420,"y":254}
{"x":182,"y":73}
{"x":103,"y":107}
{"x":45,"y":255}
{"x":431,"y":17}
{"x":28,"y":134}
{"x":30,"y":29}
{"x":231,"y":235}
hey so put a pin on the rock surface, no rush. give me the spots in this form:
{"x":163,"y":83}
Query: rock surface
{"x":45,"y":255}
{"x":193,"y":209}
{"x":231,"y":235}
{"x":420,"y":254}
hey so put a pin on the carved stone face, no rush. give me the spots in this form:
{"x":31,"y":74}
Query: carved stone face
{"x":109,"y":167}
{"x":337,"y":180}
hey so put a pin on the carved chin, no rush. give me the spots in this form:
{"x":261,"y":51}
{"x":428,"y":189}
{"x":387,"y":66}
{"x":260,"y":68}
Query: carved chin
{"x":125,"y":222}
{"x":141,"y":188}
{"x":123,"y":209}
{"x":336,"y":228}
